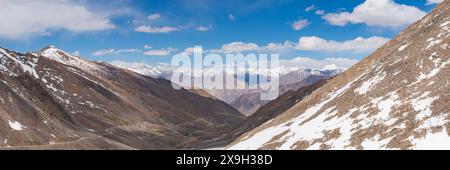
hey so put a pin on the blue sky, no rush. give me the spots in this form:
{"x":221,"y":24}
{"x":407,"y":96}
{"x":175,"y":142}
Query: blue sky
{"x":152,"y":31}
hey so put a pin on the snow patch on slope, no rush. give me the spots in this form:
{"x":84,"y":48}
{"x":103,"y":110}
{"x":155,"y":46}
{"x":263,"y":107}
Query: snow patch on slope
{"x":436,"y":141}
{"x":16,"y":125}
{"x":367,"y":85}
{"x":423,"y":105}
{"x":403,"y":47}
{"x":385,"y":106}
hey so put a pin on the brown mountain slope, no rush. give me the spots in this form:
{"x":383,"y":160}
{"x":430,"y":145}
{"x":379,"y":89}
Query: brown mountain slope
{"x":262,"y":115}
{"x":397,"y":98}
{"x":276,"y":107}
{"x":52,"y":99}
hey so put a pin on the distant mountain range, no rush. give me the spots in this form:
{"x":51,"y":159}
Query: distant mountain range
{"x":247,"y":101}
{"x":164,"y":70}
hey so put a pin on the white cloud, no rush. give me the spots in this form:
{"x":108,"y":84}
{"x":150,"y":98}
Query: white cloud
{"x":157,"y":52}
{"x":359,"y":44}
{"x":431,"y":2}
{"x":311,"y":43}
{"x":239,"y":47}
{"x":310,"y":8}
{"x":111,"y":51}
{"x":160,"y":52}
{"x":133,"y":50}
{"x":307,"y":62}
{"x":204,"y":28}
{"x":280,"y":46}
{"x":385,"y":13}
{"x":29,"y":17}
{"x":154,"y":16}
{"x":319,"y":12}
{"x":147,"y":46}
{"x":300,"y":24}
{"x":103,"y":52}
{"x":155,"y":30}
{"x":231,"y":17}
{"x":236,"y":47}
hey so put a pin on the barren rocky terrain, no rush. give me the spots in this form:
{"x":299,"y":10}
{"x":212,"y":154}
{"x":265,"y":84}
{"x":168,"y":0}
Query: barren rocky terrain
{"x":396,"y":98}
{"x":53,"y":100}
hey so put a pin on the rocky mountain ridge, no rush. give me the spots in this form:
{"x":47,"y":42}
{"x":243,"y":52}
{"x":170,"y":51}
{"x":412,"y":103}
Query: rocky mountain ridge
{"x":53,"y":100}
{"x":397,"y":98}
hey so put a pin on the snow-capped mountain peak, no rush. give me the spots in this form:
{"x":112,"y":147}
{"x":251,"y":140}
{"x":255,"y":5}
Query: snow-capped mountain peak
{"x":53,"y":53}
{"x":331,"y":67}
